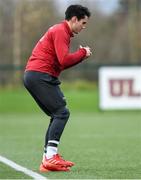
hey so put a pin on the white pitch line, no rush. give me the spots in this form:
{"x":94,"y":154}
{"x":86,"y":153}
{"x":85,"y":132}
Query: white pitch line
{"x":17,"y":167}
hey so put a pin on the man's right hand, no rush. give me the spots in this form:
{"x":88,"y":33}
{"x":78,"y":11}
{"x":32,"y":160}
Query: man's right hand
{"x":88,"y":51}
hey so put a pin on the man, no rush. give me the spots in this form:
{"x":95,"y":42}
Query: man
{"x":49,"y":57}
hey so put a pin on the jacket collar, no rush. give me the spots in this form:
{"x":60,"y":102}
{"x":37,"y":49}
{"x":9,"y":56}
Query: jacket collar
{"x":68,"y":28}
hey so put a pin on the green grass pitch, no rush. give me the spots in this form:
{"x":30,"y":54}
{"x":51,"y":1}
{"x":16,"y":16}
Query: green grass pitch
{"x":103,"y":145}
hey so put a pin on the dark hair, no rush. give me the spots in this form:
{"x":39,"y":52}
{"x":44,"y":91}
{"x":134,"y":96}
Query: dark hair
{"x":77,"y":10}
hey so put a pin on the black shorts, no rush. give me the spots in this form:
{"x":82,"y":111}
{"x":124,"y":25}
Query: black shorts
{"x":45,"y":89}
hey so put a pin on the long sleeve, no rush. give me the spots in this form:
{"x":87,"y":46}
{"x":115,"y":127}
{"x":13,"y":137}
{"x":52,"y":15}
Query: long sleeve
{"x":51,"y":54}
{"x":65,"y":58}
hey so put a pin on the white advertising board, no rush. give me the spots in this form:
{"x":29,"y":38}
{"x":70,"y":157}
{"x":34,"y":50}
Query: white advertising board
{"x":120,"y":88}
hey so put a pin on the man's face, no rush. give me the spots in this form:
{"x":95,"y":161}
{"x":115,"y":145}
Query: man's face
{"x":77,"y":26}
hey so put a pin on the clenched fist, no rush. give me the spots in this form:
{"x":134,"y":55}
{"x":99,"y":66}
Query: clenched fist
{"x":88,"y":51}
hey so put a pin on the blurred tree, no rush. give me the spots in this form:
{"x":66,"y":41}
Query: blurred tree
{"x":31,"y":20}
{"x":6,"y":39}
{"x":6,"y":27}
{"x":17,"y":40}
{"x":132,"y":11}
{"x":37,"y":17}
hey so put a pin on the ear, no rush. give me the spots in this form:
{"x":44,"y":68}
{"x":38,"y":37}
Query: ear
{"x":74,"y":19}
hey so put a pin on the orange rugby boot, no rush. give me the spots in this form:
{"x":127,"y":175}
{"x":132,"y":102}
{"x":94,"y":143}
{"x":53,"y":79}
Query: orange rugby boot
{"x":56,"y":163}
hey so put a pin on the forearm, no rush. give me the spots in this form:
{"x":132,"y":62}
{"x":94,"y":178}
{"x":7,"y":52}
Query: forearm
{"x":72,"y":59}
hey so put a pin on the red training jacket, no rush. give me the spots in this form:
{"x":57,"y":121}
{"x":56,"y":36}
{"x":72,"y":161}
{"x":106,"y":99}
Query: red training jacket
{"x":51,"y":54}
